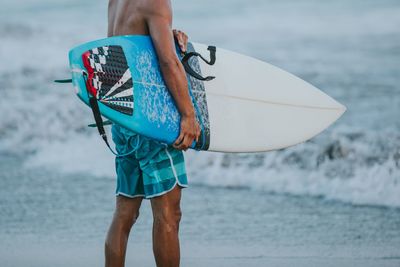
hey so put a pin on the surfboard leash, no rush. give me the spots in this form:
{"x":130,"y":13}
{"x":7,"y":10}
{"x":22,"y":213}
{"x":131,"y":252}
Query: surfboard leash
{"x":100,"y":123}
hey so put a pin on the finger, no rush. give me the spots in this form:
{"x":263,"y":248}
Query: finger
{"x":177,"y":36}
{"x":184,"y":48}
{"x":189,"y":143}
{"x":179,"y":139}
{"x":181,"y":43}
{"x":185,"y":39}
{"x":184,"y":42}
{"x":181,"y":40}
{"x":182,"y":145}
{"x":198,"y":132}
{"x":181,"y":37}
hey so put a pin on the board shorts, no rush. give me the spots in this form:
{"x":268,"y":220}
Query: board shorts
{"x":152,"y":169}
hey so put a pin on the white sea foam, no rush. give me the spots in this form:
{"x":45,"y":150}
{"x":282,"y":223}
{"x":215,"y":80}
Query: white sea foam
{"x":338,"y":168}
{"x":351,"y":57}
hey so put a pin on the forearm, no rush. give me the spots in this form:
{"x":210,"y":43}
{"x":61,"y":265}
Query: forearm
{"x":159,"y":20}
{"x":175,"y":79}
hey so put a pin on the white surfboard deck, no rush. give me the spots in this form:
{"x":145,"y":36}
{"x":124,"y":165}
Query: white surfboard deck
{"x":254,"y":106}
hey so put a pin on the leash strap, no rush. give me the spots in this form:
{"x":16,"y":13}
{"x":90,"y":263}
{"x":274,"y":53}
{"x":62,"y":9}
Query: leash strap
{"x":100,"y":124}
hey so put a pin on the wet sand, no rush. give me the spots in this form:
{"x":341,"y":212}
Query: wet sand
{"x":49,"y":219}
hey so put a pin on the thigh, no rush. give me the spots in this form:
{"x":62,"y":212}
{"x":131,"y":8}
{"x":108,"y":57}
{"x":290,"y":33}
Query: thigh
{"x":168,"y":203}
{"x":128,"y":207}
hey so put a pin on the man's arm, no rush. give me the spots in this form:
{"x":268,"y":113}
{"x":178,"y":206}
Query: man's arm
{"x":159,"y":21}
{"x":111,"y":15}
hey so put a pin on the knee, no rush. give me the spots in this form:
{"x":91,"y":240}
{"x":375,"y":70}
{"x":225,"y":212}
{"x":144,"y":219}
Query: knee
{"x":168,"y":219}
{"x":126,"y":219}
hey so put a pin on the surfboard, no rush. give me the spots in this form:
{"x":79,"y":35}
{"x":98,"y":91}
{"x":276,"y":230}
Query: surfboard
{"x":242,"y":104}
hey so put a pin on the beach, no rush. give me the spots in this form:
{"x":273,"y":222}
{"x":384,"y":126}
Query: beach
{"x":57,"y":222}
{"x":331,"y":201}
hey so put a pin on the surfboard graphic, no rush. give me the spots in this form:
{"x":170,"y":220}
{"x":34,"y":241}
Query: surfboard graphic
{"x":109,"y":78}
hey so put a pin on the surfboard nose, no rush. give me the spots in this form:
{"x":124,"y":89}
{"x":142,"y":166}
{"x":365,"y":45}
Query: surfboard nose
{"x":339,"y":107}
{"x":342,"y":109}
{"x":322,"y":99}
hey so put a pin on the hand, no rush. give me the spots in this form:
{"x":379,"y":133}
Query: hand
{"x":182,"y":39}
{"x":190,"y":131}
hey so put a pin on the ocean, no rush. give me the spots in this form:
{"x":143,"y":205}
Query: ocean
{"x":332,"y":201}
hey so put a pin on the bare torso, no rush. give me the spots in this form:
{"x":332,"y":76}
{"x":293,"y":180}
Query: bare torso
{"x":127,"y":17}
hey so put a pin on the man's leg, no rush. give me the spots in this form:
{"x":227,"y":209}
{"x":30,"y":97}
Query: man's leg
{"x":167,"y":215}
{"x":125,"y":215}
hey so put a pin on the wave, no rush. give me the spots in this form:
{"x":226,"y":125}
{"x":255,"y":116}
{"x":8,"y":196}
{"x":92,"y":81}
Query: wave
{"x":352,"y":167}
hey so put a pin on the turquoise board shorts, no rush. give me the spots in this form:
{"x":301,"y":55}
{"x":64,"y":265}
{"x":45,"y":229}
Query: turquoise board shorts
{"x":153,"y":169}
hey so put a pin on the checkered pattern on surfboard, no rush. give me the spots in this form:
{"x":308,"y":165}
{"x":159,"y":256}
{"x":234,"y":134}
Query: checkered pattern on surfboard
{"x":112,"y":78}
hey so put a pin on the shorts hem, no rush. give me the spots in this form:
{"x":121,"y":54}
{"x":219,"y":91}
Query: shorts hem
{"x":168,"y":190}
{"x":153,"y":195}
{"x":130,"y":196}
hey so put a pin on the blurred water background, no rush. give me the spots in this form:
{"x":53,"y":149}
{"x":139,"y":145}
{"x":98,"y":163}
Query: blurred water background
{"x":334,"y":199}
